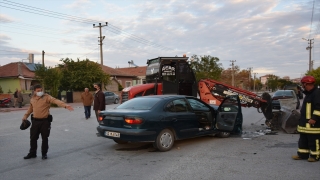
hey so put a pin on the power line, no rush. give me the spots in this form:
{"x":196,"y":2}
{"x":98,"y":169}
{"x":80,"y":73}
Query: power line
{"x":311,"y":19}
{"x":73,"y":18}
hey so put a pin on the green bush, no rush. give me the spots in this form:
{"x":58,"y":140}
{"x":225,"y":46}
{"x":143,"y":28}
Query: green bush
{"x":120,"y":87}
{"x":1,"y":91}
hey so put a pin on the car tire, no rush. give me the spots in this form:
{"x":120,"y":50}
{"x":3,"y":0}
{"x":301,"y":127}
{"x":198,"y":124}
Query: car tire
{"x":164,"y":141}
{"x":116,"y":101}
{"x":223,"y":134}
{"x":119,"y":141}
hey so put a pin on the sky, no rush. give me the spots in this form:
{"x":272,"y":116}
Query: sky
{"x":266,"y":36}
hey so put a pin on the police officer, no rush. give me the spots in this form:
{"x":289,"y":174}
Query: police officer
{"x":41,"y":120}
{"x":309,"y":123}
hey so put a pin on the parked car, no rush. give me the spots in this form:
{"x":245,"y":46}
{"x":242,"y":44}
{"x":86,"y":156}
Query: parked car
{"x":296,"y":88}
{"x":284,"y":94}
{"x":111,"y":97}
{"x":162,"y":119}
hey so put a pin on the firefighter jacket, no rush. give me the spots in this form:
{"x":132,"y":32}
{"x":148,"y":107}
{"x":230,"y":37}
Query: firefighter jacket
{"x":310,"y":110}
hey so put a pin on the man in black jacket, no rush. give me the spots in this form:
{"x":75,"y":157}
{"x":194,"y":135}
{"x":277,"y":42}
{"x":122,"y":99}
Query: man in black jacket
{"x":99,"y":100}
{"x":309,"y":123}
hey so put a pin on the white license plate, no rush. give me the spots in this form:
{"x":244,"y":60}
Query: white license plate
{"x":112,"y":134}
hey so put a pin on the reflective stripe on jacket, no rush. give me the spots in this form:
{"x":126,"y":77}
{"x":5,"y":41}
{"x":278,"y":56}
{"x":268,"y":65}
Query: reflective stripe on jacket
{"x":310,"y":110}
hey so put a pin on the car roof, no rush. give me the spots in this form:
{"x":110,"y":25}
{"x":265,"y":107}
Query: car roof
{"x":172,"y":96}
{"x":283,"y":92}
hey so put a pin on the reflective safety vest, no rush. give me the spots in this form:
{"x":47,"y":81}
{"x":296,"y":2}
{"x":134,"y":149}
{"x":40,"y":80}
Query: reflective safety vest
{"x":310,"y":110}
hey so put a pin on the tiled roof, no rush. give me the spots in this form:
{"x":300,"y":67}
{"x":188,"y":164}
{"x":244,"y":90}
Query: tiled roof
{"x":12,"y":70}
{"x":15,"y":69}
{"x":137,"y":71}
{"x":116,"y":72}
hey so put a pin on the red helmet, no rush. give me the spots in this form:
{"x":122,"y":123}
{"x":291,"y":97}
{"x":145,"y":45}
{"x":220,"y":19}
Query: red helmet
{"x":308,"y":80}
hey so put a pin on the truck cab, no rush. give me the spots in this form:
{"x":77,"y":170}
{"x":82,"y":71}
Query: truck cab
{"x":165,"y":75}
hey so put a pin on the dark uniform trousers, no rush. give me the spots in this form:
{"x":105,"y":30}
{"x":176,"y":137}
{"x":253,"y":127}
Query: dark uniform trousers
{"x":39,"y":127}
{"x":309,"y":143}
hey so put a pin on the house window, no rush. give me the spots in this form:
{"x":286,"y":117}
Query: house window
{"x":128,"y":83}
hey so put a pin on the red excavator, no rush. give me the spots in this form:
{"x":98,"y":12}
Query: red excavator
{"x":173,"y":75}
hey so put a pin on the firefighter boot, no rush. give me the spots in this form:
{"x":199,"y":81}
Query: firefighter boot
{"x":296,"y":157}
{"x":311,"y":159}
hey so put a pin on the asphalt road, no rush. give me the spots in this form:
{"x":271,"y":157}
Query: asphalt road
{"x":77,"y":153}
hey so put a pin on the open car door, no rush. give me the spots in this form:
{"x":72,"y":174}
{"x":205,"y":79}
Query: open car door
{"x":229,"y":115}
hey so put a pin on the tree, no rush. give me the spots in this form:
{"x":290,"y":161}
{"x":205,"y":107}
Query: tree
{"x":257,"y":84}
{"x":78,"y":75}
{"x":1,"y":91}
{"x":242,"y":78}
{"x":283,"y":82}
{"x":50,"y":79}
{"x":316,"y":74}
{"x":206,"y":67}
{"x":272,"y":82}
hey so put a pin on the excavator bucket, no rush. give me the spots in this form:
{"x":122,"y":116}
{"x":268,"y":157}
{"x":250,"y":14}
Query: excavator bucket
{"x":289,"y":118}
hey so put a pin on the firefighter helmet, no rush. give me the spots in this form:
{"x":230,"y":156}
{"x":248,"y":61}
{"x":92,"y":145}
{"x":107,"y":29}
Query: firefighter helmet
{"x":308,"y":80}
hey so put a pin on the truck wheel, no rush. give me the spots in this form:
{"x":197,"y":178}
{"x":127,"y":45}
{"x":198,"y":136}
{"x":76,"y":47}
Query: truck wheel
{"x":119,"y":141}
{"x":223,"y":134}
{"x":165,"y":140}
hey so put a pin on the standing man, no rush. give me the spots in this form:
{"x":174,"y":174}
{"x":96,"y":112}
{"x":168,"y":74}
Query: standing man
{"x":19,"y":98}
{"x":41,"y":120}
{"x":99,"y":100}
{"x":87,"y":99}
{"x":309,"y":123}
{"x":15,"y":96}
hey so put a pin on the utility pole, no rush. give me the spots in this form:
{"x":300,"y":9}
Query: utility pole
{"x":43,"y":57}
{"x":254,"y":82}
{"x":232,"y":64}
{"x":249,"y":78}
{"x":101,"y":38}
{"x":309,"y":48}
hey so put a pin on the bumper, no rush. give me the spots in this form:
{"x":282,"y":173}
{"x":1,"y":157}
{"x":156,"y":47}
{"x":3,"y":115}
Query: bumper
{"x":133,"y":135}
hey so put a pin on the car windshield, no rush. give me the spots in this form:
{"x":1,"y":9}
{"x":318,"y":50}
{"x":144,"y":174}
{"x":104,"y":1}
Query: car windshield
{"x":139,"y":103}
{"x":283,"y":93}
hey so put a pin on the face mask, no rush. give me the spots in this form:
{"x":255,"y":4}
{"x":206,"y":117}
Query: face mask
{"x":40,"y":93}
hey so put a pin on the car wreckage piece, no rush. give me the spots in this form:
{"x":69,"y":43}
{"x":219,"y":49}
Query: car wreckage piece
{"x":287,"y":118}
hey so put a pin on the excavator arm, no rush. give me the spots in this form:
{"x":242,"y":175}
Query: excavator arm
{"x":213,"y":92}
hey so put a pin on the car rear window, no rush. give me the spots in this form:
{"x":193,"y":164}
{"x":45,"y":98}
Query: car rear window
{"x":283,"y":93}
{"x":139,"y":103}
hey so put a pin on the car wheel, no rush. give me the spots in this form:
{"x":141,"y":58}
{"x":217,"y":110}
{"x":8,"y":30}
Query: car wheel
{"x":116,"y":101}
{"x":223,"y":134}
{"x":165,"y":140}
{"x":119,"y":141}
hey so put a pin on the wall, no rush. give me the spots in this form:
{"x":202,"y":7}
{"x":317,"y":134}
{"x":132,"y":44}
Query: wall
{"x":123,"y":80}
{"x":113,"y":86}
{"x":11,"y":84}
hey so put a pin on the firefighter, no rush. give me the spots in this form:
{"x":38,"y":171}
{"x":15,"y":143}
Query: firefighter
{"x":309,"y":123}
